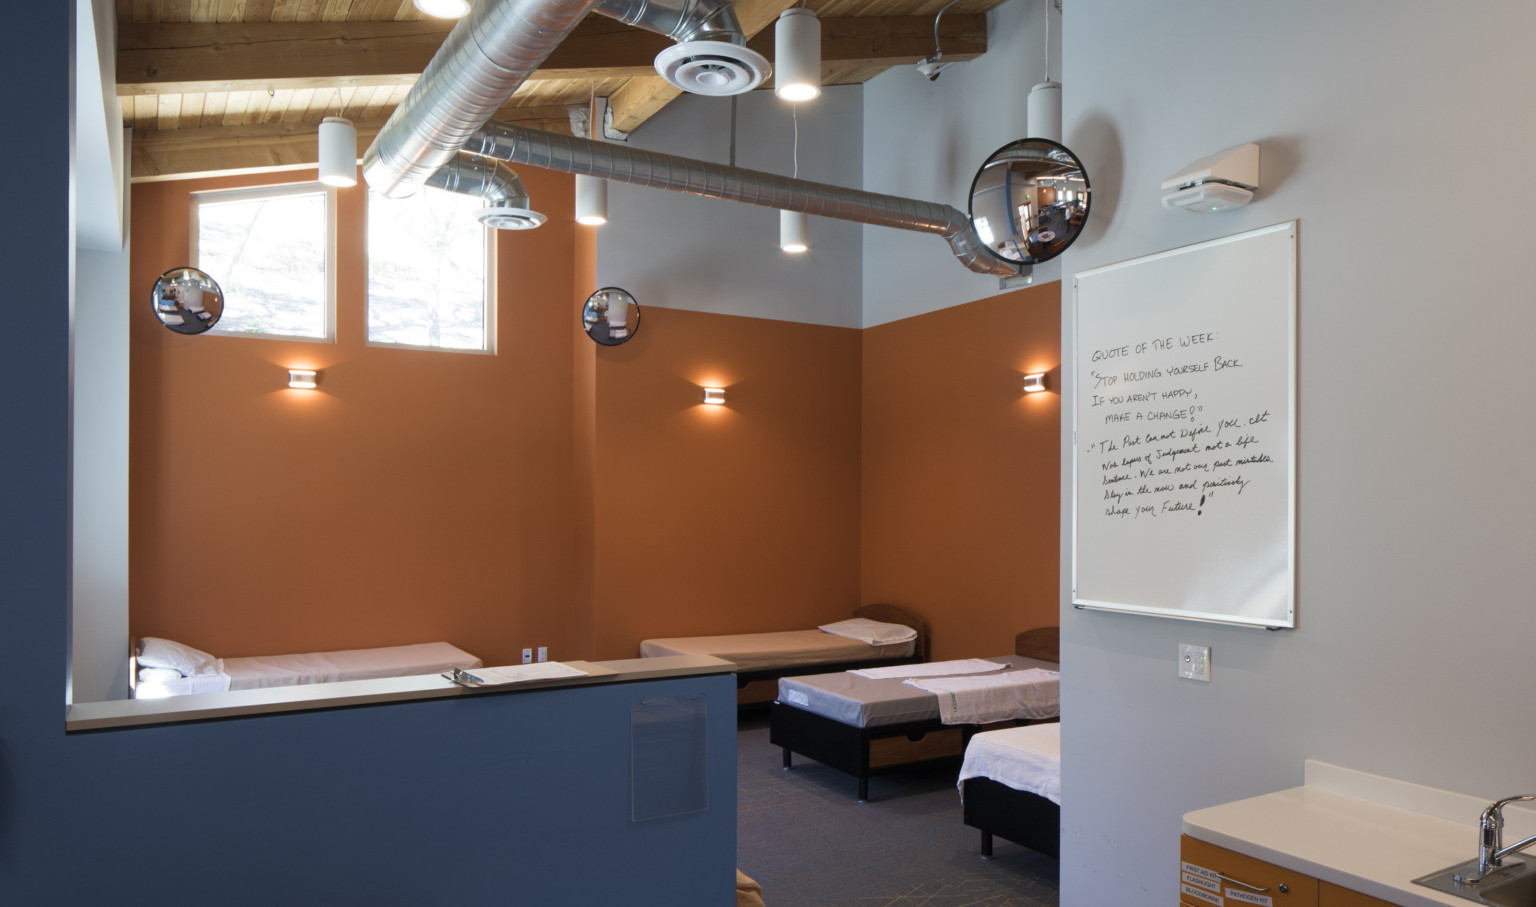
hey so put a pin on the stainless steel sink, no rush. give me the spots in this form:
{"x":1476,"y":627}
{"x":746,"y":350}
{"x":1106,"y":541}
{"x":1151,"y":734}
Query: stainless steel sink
{"x":1511,"y":885}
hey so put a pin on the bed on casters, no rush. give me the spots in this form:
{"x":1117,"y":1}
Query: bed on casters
{"x":864,"y":725}
{"x":762,"y":658}
{"x":1010,"y":786}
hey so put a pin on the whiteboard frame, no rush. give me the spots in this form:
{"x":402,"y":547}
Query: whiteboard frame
{"x":1289,"y":620}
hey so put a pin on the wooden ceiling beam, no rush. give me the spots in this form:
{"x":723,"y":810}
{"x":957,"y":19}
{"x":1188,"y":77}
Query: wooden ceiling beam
{"x":165,"y":154}
{"x":188,"y":58}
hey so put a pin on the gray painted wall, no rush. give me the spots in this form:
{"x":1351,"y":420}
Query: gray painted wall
{"x":100,"y":498}
{"x":1416,"y":540}
{"x":685,"y":252}
{"x":925,"y":140}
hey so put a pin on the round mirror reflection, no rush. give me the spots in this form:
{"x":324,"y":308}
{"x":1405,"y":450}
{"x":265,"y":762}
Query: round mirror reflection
{"x":1029,"y":201}
{"x":610,"y":316}
{"x":187,"y":300}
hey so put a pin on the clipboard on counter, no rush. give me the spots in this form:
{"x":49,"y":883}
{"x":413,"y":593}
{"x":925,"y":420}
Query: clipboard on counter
{"x":540,"y":673}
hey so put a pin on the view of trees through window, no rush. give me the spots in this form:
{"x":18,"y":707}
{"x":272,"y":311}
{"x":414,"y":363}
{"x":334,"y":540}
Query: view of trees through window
{"x":267,"y":251}
{"x":427,"y":271}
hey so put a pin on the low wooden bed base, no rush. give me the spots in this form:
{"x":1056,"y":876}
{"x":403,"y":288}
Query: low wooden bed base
{"x":1026,"y":819}
{"x":866,"y":751}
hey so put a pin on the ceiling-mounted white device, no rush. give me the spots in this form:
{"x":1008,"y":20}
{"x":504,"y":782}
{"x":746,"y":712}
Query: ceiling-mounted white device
{"x":1226,"y":179}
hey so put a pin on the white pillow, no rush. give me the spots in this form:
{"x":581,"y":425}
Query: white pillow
{"x":874,"y":632}
{"x":163,"y":653}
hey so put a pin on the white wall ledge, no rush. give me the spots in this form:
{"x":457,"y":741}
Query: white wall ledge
{"x":126,"y":713}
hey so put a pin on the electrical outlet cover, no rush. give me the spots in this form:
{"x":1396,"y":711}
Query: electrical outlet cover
{"x":543,"y":653}
{"x":1195,"y":662}
{"x":527,"y":656}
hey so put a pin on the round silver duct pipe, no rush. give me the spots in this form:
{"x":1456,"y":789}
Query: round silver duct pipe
{"x":482,"y":62}
{"x":567,"y":154}
{"x":496,"y":184}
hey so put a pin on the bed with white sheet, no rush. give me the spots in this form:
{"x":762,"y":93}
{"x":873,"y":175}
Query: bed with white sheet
{"x":167,"y":668}
{"x":1010,"y":786}
{"x":868,"y":720}
{"x":876,"y":635}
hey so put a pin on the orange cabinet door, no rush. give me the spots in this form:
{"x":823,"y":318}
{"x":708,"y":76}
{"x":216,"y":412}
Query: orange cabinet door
{"x":1211,"y":875}
{"x":1331,"y":895}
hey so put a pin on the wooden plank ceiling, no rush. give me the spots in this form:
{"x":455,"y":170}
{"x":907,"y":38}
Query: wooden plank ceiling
{"x":220,"y":86}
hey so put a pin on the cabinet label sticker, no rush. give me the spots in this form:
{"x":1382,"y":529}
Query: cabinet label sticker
{"x":1190,"y":878}
{"x":1246,"y":897}
{"x":1200,"y":894}
{"x":1202,"y":872}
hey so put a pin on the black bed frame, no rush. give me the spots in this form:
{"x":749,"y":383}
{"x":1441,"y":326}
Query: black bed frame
{"x":1019,"y":816}
{"x":865,"y":751}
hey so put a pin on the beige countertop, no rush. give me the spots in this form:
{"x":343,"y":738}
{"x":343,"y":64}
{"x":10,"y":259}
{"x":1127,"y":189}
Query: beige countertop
{"x":92,"y":716}
{"x":1360,"y":831}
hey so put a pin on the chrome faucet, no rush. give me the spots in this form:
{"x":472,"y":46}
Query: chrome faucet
{"x":1490,"y":840}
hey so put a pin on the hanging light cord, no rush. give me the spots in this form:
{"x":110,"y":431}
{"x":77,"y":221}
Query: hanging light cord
{"x":794,"y":113}
{"x":937,"y":51}
{"x":1048,"y":5}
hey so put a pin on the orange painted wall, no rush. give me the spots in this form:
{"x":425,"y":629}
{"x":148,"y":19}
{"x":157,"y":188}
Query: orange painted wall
{"x":581,"y":497}
{"x":961,"y":471}
{"x":415,"y":496}
{"x":730,"y":519}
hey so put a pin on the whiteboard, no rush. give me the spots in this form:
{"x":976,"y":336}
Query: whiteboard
{"x":1184,"y":440}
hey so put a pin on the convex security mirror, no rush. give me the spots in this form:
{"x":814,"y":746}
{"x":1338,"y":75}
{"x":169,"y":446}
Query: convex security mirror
{"x":610,"y":316}
{"x":1029,"y":201}
{"x":187,"y":300}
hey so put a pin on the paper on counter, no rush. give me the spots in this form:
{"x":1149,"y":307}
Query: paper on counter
{"x":543,"y":670}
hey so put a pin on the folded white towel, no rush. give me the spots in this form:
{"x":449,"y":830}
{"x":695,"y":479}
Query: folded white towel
{"x":1033,"y":694}
{"x":931,"y":669}
{"x":874,"y":632}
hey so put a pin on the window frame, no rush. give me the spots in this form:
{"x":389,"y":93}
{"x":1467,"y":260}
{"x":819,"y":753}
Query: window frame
{"x":489,"y":300}
{"x":279,"y":190}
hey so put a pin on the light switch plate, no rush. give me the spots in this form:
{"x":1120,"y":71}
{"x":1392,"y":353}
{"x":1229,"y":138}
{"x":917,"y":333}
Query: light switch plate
{"x":527,"y":656}
{"x":1195,"y":662}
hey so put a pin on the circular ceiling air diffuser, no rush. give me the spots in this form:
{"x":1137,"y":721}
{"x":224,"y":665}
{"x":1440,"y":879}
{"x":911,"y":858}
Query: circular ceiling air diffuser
{"x":712,"y":67}
{"x":509,"y":218}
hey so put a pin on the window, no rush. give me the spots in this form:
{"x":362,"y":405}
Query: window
{"x":427,"y":265}
{"x":270,"y":251}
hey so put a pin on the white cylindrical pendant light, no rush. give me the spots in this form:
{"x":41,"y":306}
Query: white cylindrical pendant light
{"x":338,"y":152}
{"x":794,"y":231}
{"x":797,"y":55}
{"x":591,"y":200}
{"x":1042,"y":116}
{"x":444,"y":9}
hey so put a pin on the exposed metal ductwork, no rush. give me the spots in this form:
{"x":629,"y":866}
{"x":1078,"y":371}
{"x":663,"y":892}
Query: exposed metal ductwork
{"x":711,"y":56}
{"x":490,"y":53}
{"x":482,"y":62}
{"x":506,"y":201}
{"x":566,"y":154}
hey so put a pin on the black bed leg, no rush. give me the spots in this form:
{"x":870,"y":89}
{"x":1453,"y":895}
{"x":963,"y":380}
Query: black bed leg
{"x":786,"y":758}
{"x":986,"y":845}
{"x":863,"y":789}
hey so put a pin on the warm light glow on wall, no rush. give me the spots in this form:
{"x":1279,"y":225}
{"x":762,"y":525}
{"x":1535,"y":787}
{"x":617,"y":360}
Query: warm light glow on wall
{"x":714,"y":396}
{"x":303,"y":378}
{"x":1034,"y":384}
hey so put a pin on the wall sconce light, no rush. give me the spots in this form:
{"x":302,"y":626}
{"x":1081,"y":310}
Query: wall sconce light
{"x":714,"y":396}
{"x":1034,"y":384}
{"x":302,"y":377}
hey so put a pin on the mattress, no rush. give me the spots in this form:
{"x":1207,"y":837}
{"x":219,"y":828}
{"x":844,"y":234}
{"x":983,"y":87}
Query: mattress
{"x":862,"y":702}
{"x":768,"y":651}
{"x":1024,"y":758}
{"x":350,"y":664}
